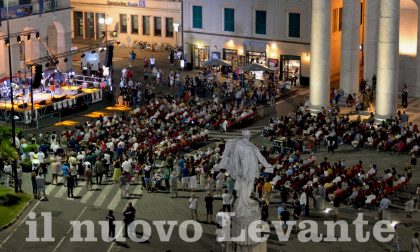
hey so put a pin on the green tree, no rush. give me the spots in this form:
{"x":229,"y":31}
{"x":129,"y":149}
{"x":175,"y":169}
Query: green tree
{"x":7,"y":151}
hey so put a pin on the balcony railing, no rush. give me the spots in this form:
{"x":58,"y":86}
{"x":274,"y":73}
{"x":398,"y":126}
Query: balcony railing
{"x":23,"y":10}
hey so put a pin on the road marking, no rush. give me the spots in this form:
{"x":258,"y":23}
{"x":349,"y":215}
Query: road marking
{"x":58,"y":245}
{"x":137,"y":191}
{"x":68,"y":231}
{"x":116,"y":237}
{"x":87,"y":196}
{"x":61,"y":192}
{"x":78,"y":218}
{"x":51,"y":187}
{"x":20,"y":224}
{"x":102,"y":196}
{"x":115,"y":200}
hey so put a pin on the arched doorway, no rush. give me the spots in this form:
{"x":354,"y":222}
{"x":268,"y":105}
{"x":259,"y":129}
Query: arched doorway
{"x":56,"y":41}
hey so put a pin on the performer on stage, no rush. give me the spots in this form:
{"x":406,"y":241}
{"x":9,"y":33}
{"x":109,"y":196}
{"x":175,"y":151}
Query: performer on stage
{"x":52,"y":88}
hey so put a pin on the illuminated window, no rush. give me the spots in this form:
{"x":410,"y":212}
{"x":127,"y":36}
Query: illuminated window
{"x":123,"y":23}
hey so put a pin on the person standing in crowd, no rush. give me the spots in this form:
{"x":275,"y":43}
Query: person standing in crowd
{"x":19,"y":178}
{"x":111,"y":224}
{"x":7,"y":169}
{"x":417,"y":196}
{"x":88,"y":175}
{"x":220,"y":180}
{"x":40,"y":184}
{"x":123,"y":184}
{"x":227,"y":201}
{"x":409,"y":208}
{"x":132,"y":57}
{"x":99,"y":170}
{"x":193,"y":206}
{"x":209,"y":207}
{"x":303,"y":202}
{"x":152,"y":62}
{"x":404,"y":96}
{"x":185,"y":178}
{"x":264,"y":210}
{"x":415,"y":247}
{"x":174,"y":184}
{"x":383,"y":205}
{"x":129,"y":216}
{"x":73,"y":168}
{"x":65,"y":172}
{"x":396,"y":240}
{"x":70,"y":186}
{"x":267,"y":190}
{"x":34,"y":185}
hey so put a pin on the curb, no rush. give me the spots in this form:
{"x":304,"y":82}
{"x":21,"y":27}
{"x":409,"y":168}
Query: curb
{"x":17,"y":216}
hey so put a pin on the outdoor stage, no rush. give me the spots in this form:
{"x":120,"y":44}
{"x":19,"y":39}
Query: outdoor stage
{"x":66,"y":98}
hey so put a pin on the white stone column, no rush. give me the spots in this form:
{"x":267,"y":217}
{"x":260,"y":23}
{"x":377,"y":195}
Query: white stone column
{"x":320,"y":54}
{"x":350,"y":36}
{"x":370,"y":43}
{"x":388,"y":59}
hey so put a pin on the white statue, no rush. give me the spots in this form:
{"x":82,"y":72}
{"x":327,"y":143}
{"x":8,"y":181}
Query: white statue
{"x":241,"y":159}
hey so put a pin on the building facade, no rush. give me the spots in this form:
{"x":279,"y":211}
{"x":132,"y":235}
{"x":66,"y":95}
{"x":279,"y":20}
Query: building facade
{"x":271,"y":32}
{"x":151,"y":21}
{"x":51,"y":20}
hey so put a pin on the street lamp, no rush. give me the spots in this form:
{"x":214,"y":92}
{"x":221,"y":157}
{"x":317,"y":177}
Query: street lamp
{"x":176,"y":29}
{"x":14,"y":164}
{"x":106,"y":21}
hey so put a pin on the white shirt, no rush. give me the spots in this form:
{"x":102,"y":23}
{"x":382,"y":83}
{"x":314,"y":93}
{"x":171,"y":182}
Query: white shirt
{"x":302,"y":199}
{"x":152,"y":61}
{"x":7,"y":169}
{"x":126,"y":166}
{"x":415,"y":244}
{"x":226,"y":197}
{"x":41,"y":156}
{"x":193,"y":203}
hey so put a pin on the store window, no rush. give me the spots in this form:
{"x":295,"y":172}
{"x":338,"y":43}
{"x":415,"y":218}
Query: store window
{"x":90,"y":29}
{"x":100,"y":28}
{"x":22,"y":51}
{"x":146,"y":25}
{"x":200,"y":55}
{"x":294,"y":25}
{"x":123,"y":23}
{"x":197,"y":17}
{"x":78,"y":24}
{"x":134,"y":24}
{"x":158,"y":26}
{"x":340,"y":19}
{"x":260,"y":22}
{"x":231,"y":56}
{"x":229,"y":19}
{"x":169,"y":22}
{"x":290,"y":68}
{"x":256,"y":57}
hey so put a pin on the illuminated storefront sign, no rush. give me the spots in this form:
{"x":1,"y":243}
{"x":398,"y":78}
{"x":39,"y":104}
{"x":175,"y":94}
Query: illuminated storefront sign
{"x":139,"y":4}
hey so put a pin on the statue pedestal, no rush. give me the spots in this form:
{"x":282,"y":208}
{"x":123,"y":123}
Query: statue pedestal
{"x":248,"y":245}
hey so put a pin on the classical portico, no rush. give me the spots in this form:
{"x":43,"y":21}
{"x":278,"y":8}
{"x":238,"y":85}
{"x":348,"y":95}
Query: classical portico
{"x":381,"y":52}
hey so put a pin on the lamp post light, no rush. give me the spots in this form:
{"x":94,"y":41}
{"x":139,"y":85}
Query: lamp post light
{"x":176,"y":30}
{"x":106,"y":21}
{"x":14,"y":163}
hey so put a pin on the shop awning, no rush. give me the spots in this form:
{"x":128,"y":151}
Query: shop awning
{"x":253,"y":46}
{"x":256,"y":67}
{"x":216,"y":62}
